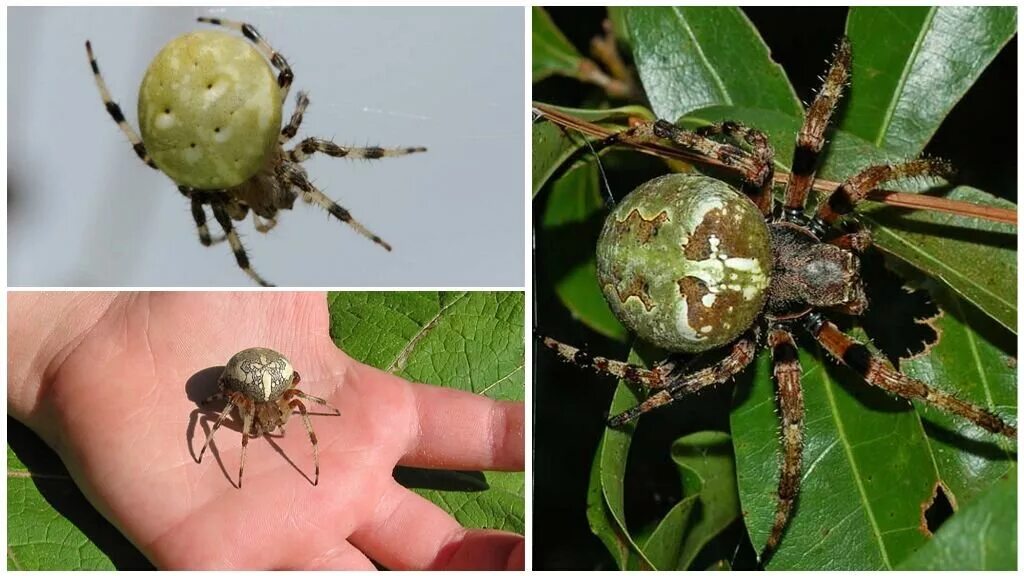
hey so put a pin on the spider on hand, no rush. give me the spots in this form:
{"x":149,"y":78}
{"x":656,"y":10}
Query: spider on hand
{"x":262,"y":384}
{"x":690,"y":264}
{"x":210,"y":113}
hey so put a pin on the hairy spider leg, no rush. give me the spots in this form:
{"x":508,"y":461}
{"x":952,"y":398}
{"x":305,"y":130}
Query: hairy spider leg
{"x":760,"y":193}
{"x":310,"y":193}
{"x":786,"y":368}
{"x":293,"y":393}
{"x":115,"y":111}
{"x":755,"y":170}
{"x":857,"y":242}
{"x":246,"y":426}
{"x":199,"y":215}
{"x":234,"y":399}
{"x":311,"y":146}
{"x":292,"y":128}
{"x":877,"y":371}
{"x":285,"y":75}
{"x":220,"y":213}
{"x":649,"y":377}
{"x":856,"y":187}
{"x":263,"y":226}
{"x":295,"y":403}
{"x":740,"y":356}
{"x":811,"y":137}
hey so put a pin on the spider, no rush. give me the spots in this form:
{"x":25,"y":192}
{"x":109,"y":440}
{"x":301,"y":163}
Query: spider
{"x":690,"y":264}
{"x":262,"y":384}
{"x":210,"y":114}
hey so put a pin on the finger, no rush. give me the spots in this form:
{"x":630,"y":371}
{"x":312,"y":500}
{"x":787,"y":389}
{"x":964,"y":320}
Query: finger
{"x":343,"y":556}
{"x":408,"y":532}
{"x":459,"y":430}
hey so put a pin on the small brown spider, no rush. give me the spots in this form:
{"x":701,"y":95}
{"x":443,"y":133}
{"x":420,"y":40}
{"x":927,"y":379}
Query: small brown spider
{"x":263,"y":385}
{"x":210,"y":115}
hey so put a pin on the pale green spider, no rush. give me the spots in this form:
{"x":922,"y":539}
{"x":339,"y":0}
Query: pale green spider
{"x":210,"y":116}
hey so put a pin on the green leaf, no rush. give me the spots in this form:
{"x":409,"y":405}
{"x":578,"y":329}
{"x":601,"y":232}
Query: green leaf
{"x":552,"y":145}
{"x":866,"y":470}
{"x":576,"y":208}
{"x":974,"y":358}
{"x":50,"y":524}
{"x":976,"y":258}
{"x":470,"y":341}
{"x":611,"y":466}
{"x":662,"y":546}
{"x":982,"y":536}
{"x":552,"y":51}
{"x":904,"y":87}
{"x":599,"y":516}
{"x":708,"y":472}
{"x":691,"y":58}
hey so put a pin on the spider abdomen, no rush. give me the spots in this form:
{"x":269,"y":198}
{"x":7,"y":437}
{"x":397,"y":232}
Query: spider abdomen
{"x":261,"y":374}
{"x":684,"y":261}
{"x":209,"y":110}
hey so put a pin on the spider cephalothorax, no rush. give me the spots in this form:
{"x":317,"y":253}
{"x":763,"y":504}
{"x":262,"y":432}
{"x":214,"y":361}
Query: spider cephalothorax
{"x":690,"y":264}
{"x":210,"y":115}
{"x":262,"y":384}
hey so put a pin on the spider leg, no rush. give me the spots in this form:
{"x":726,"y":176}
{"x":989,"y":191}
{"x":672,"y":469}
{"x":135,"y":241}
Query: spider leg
{"x":199,"y":215}
{"x":312,"y":438}
{"x":755,"y":170}
{"x":858,"y":241}
{"x":115,"y":111}
{"x":791,"y":403}
{"x":220,"y":213}
{"x":739,"y":357}
{"x":311,"y":193}
{"x":300,"y":394}
{"x":760,"y":193}
{"x":263,"y":226}
{"x":246,"y":425}
{"x":220,"y":419}
{"x":856,"y":187}
{"x":812,"y":133}
{"x":655,"y":378}
{"x":292,"y":128}
{"x":877,"y":371}
{"x":310,"y":146}
{"x":285,"y":75}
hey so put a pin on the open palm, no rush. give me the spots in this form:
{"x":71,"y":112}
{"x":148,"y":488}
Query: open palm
{"x":129,"y":426}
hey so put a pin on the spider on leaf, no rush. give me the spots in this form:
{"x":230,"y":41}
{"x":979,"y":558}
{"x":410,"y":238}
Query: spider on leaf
{"x":690,"y":264}
{"x":210,"y":116}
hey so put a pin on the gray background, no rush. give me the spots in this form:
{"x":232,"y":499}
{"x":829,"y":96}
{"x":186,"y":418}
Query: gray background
{"x":84,"y":211}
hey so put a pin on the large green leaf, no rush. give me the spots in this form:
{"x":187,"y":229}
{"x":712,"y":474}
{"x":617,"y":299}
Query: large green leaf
{"x":708,"y":472}
{"x":976,"y":258}
{"x":691,"y":58}
{"x":50,"y":524}
{"x":471,"y":341}
{"x":975,"y":359}
{"x":552,"y":51}
{"x":982,"y":536}
{"x":904,"y":87}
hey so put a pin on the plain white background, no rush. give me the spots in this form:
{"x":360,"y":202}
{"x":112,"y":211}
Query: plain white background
{"x":84,"y":211}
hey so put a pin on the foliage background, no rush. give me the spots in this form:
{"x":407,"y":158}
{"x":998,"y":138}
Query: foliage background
{"x":570,"y":404}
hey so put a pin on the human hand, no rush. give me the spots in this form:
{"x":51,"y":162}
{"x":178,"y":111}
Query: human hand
{"x":119,"y":403}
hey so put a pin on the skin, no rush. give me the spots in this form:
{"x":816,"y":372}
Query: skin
{"x":111,"y":381}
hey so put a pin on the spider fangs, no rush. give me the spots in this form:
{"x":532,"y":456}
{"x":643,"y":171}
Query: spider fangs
{"x":690,"y":264}
{"x":210,"y":114}
{"x":262,"y":384}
